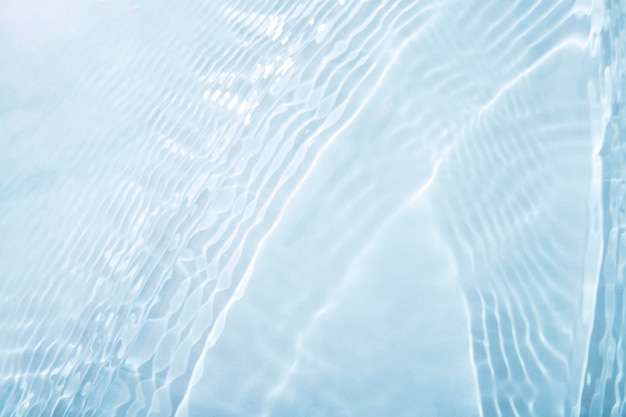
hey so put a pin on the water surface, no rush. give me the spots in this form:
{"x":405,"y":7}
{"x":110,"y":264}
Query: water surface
{"x":316,"y":208}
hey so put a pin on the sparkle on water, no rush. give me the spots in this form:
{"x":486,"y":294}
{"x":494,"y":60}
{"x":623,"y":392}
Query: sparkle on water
{"x":312,"y":208}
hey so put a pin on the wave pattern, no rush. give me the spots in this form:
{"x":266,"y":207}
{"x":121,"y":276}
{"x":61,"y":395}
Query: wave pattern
{"x":513,"y":188}
{"x":220,"y":135}
{"x":168,"y":144}
{"x":604,"y":392}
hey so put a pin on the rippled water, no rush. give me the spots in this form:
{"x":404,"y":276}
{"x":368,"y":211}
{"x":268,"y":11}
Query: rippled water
{"x":314,"y":208}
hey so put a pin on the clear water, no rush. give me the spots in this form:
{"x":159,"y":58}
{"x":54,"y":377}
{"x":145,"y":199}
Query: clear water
{"x":312,"y":208}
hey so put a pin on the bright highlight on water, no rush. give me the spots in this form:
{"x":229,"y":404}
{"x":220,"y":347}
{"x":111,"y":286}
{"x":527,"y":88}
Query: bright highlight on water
{"x":315,"y":208}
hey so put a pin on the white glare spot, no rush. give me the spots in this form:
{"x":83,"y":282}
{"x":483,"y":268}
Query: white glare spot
{"x":242,"y":108}
{"x":273,"y":21}
{"x":286,"y":65}
{"x":274,"y":27}
{"x":279,"y":31}
{"x":321,"y":28}
{"x":233,"y":103}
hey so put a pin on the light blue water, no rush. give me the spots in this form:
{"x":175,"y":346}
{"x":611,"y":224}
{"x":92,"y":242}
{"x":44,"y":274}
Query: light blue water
{"x":313,"y":208}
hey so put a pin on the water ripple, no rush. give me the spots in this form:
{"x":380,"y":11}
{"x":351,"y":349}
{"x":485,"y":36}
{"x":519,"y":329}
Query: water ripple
{"x":170,"y":153}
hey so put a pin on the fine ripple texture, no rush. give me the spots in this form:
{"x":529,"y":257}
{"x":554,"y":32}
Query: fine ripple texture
{"x":316,"y":208}
{"x":604,"y":392}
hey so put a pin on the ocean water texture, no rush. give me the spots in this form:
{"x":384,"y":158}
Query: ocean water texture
{"x":312,"y":208}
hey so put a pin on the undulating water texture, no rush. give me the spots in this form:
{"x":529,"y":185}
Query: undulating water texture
{"x":312,"y":208}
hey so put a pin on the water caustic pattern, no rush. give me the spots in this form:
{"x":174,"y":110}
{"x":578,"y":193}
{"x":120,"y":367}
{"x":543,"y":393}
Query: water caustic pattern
{"x":313,"y":208}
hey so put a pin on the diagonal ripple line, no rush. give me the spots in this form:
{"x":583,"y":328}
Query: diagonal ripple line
{"x":220,"y":320}
{"x":602,"y":388}
{"x":527,"y":283}
{"x":132,"y":265}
